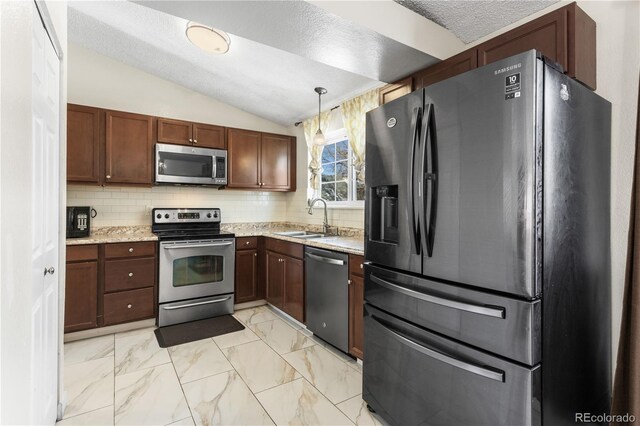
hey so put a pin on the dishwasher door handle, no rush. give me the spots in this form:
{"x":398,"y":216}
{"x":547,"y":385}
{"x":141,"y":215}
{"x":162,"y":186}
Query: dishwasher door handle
{"x":325,"y":259}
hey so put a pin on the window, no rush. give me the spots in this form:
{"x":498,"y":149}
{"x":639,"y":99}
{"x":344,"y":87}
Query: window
{"x":339,"y":183}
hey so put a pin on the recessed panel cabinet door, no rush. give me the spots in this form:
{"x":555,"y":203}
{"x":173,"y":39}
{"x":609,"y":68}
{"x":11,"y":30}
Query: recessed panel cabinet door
{"x":81,"y":296}
{"x":208,"y":136}
{"x":294,"y":287}
{"x":275,"y":279}
{"x":275,"y":162}
{"x":246,"y":276}
{"x":83,"y":144}
{"x":129,"y":148}
{"x":174,"y":131}
{"x":244,"y":158}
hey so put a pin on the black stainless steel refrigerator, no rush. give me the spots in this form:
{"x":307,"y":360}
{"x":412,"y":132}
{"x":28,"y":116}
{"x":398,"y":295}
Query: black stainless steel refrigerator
{"x":487,"y":283}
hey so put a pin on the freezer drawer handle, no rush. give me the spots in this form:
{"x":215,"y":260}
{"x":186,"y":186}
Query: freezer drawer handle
{"x":326,"y":259}
{"x":206,"y":302}
{"x":186,"y":246}
{"x":468,"y":307}
{"x":475,"y":369}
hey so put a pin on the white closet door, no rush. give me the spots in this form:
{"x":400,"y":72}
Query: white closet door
{"x":44,"y":219}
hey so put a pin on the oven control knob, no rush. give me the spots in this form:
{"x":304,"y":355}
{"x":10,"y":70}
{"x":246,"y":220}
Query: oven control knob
{"x":208,"y":215}
{"x":215,"y":214}
{"x":159,"y":216}
{"x":166,"y":215}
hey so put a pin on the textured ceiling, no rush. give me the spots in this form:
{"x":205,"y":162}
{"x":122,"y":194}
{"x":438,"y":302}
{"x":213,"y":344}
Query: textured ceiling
{"x":470,"y":19}
{"x":275,"y":60}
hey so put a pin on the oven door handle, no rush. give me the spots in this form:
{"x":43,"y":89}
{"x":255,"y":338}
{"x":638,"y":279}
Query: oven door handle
{"x":186,"y":246}
{"x":188,"y":305}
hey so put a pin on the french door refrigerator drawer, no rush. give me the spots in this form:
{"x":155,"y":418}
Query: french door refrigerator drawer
{"x":414,"y":377}
{"x":195,"y":309}
{"x":506,"y":326}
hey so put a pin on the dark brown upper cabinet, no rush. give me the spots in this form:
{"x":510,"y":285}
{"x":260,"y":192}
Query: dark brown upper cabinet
{"x":129,"y":148}
{"x":395,"y":90}
{"x":193,"y":134}
{"x":455,"y":65}
{"x":84,"y":152}
{"x":566,"y":36}
{"x":260,"y":160}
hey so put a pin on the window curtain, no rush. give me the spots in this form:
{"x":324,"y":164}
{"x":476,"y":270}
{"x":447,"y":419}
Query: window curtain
{"x":626,"y":388}
{"x":310,"y":128}
{"x":353,"y":116}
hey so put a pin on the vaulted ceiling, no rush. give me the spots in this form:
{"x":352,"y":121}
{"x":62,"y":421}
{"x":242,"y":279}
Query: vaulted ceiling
{"x":280,"y":50}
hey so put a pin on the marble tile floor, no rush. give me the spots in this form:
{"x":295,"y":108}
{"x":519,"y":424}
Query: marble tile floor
{"x":272,"y":372}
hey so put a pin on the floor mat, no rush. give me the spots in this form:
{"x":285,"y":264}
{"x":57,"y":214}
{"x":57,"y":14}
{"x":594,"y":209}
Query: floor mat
{"x":179,"y":334}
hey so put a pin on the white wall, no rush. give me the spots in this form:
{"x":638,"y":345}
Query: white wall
{"x":101,"y":81}
{"x":16,"y":19}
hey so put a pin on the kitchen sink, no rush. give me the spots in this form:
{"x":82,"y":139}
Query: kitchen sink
{"x":300,"y":234}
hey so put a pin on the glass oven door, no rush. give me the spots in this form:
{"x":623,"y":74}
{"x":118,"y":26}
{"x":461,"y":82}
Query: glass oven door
{"x":199,"y":268}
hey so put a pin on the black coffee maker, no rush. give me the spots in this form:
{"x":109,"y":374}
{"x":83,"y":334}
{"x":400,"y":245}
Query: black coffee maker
{"x":79,"y":221}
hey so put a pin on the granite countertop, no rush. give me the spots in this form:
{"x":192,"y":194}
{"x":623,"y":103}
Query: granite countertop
{"x":348,"y":240}
{"x":115,"y":234}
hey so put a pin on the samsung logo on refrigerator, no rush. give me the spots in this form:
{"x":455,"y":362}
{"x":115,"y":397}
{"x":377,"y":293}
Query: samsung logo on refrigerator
{"x":391,"y":122}
{"x":509,"y":68}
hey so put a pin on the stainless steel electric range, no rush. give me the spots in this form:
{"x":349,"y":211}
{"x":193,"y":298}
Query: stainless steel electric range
{"x":196,"y":265}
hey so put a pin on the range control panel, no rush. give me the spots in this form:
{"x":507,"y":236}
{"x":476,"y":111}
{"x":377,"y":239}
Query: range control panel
{"x":186,"y":215}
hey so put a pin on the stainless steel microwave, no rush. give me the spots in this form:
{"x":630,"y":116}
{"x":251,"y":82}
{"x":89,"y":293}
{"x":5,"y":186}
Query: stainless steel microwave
{"x":188,"y":165}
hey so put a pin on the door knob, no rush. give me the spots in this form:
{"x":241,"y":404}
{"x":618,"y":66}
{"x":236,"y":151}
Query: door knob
{"x":50,"y":270}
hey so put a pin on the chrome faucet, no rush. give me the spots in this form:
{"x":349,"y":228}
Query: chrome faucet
{"x":325,"y":225}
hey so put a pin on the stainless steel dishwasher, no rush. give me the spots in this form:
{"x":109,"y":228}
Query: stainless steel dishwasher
{"x":327,"y":295}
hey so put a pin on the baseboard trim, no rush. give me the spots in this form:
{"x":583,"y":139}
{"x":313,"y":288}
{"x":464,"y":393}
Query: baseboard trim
{"x":103,"y":331}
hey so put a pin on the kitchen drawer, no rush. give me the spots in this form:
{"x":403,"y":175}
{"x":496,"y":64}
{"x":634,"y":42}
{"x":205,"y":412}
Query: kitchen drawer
{"x":246,"y":243}
{"x":356,"y":264}
{"x":81,"y":253}
{"x":114,"y":250}
{"x":127,"y":306}
{"x":127,"y":274}
{"x":285,"y":247}
{"x":447,"y":383}
{"x":506,"y":326}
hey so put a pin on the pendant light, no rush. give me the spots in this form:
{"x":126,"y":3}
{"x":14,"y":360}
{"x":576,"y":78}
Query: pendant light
{"x":319,"y":139}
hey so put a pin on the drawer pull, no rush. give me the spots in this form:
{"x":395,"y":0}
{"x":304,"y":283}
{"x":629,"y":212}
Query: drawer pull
{"x":130,"y":274}
{"x":129,"y":306}
{"x":247,"y":243}
{"x":130,"y":249}
{"x":255,"y":254}
{"x":361,"y":266}
{"x":467,"y":307}
{"x":188,"y":305}
{"x":498,"y":376}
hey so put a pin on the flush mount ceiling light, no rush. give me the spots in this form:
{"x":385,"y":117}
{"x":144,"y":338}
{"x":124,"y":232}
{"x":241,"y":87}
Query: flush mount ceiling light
{"x":207,"y":38}
{"x":319,"y":139}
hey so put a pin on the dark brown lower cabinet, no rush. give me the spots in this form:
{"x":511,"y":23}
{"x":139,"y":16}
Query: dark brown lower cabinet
{"x":110,"y":284}
{"x":81,"y":296}
{"x":356,"y":306}
{"x":285,"y":277}
{"x":246,"y":276}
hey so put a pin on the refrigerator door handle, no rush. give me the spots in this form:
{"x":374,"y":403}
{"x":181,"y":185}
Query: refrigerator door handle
{"x":497,"y":375}
{"x":497,"y":312}
{"x":411,"y":197}
{"x":429,"y":147}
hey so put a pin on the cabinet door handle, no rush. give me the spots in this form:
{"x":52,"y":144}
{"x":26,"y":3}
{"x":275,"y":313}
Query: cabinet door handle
{"x":195,"y":141}
{"x":129,"y":306}
{"x":349,"y":282}
{"x":361,"y":266}
{"x":130,"y":274}
{"x":108,"y":176}
{"x":190,"y":140}
{"x":130,"y":249}
{"x":255,"y":254}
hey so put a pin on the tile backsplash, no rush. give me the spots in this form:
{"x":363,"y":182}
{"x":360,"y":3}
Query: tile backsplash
{"x":121,"y":206}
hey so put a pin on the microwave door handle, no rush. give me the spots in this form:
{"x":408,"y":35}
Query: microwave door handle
{"x":214,"y":168}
